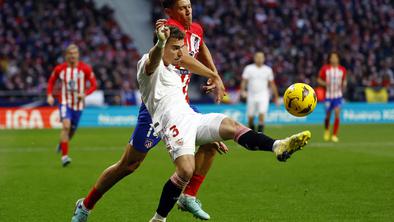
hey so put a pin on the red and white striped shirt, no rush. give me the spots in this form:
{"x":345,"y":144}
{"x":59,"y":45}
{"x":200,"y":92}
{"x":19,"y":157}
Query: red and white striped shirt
{"x":334,"y":78}
{"x":193,"y":40}
{"x":73,"y":82}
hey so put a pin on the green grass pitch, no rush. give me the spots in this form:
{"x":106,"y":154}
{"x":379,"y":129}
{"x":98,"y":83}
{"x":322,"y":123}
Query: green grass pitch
{"x":349,"y":181}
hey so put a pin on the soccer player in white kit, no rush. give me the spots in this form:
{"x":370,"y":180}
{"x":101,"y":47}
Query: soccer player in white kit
{"x":257,"y":78}
{"x":181,"y":128}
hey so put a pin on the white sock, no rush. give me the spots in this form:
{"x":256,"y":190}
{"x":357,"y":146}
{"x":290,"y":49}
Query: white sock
{"x":157,"y":216}
{"x":189,"y":196}
{"x":275,"y":144}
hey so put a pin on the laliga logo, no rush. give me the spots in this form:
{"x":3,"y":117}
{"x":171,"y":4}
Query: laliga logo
{"x":29,"y":118}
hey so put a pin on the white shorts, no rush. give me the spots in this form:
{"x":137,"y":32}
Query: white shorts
{"x":258,"y":105}
{"x":181,"y":133}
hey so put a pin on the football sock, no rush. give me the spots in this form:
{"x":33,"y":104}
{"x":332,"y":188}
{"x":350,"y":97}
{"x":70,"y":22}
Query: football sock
{"x":252,"y":140}
{"x":170,"y":194}
{"x":92,"y":198}
{"x":336,"y":126}
{"x":64,"y":147}
{"x":260,"y":128}
{"x":251,"y":126}
{"x":327,"y":123}
{"x":194,"y":185}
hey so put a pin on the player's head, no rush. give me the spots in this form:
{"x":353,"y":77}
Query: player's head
{"x":180,"y":10}
{"x":173,"y":48}
{"x":259,"y":58}
{"x":72,"y":54}
{"x":333,"y":59}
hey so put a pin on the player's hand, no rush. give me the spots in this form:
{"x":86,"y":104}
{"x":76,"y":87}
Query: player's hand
{"x":162,"y":31}
{"x":50,"y":100}
{"x":276,"y":101}
{"x":222,"y":148}
{"x":244,"y":95}
{"x":209,"y":87}
{"x":81,"y":96}
{"x":220,"y":89}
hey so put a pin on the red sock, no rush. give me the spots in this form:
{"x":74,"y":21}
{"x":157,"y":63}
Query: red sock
{"x":194,"y":185}
{"x":64,"y":146}
{"x":336,"y":126}
{"x":92,"y":198}
{"x":327,"y":123}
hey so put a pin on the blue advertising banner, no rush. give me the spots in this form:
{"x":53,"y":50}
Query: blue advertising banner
{"x":352,"y":113}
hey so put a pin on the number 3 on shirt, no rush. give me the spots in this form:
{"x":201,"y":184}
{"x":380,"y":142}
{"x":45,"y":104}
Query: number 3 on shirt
{"x":174,"y":130}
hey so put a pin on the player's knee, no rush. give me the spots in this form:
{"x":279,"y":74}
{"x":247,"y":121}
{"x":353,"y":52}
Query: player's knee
{"x":185,"y":173}
{"x":66,"y":127}
{"x":228,"y":128}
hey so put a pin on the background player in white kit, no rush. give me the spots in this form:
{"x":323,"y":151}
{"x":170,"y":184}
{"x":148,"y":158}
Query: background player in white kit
{"x":257,"y":78}
{"x":181,"y":127}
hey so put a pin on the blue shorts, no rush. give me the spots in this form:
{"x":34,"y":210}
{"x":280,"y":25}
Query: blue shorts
{"x":70,"y":114}
{"x":143,"y":138}
{"x":331,"y":104}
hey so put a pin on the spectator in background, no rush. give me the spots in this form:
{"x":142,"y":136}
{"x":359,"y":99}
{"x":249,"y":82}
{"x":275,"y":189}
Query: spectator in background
{"x":297,"y":34}
{"x":33,"y":35}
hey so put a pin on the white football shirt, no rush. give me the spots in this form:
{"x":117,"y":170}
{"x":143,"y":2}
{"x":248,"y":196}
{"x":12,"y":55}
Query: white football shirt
{"x":161,"y":91}
{"x":258,"y":79}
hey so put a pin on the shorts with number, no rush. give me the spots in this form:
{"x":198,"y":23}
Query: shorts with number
{"x":331,"y":104}
{"x":182,"y":133}
{"x":70,"y":114}
{"x":143,"y":138}
{"x":259,"y":105}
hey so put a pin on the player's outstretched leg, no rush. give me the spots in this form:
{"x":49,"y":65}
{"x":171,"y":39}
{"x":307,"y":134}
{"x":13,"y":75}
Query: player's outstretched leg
{"x":129,"y":162}
{"x":174,"y":186}
{"x":254,"y":141}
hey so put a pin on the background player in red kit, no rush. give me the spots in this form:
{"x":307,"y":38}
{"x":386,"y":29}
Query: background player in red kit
{"x":332,"y":76}
{"x":74,"y":76}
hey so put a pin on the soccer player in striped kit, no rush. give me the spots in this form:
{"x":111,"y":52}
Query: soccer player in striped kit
{"x":73,"y":75}
{"x":332,"y":76}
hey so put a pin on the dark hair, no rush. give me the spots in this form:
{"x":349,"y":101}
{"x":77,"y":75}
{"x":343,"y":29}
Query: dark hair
{"x":167,"y":3}
{"x":175,"y":33}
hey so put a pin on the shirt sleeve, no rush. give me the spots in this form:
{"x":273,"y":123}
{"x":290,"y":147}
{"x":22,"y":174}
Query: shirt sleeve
{"x":270,"y":74}
{"x":92,"y":80}
{"x":344,"y":74}
{"x":52,"y":80}
{"x":245,"y":74}
{"x":322,"y":73}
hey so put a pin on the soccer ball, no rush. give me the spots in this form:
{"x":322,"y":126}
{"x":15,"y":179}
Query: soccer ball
{"x":300,"y":99}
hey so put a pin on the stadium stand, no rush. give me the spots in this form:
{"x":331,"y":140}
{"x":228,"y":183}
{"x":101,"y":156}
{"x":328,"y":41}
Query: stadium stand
{"x":34,"y":34}
{"x":295,"y":35}
{"x":298,"y":35}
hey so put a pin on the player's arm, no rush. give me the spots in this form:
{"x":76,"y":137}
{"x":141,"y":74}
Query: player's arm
{"x":344,"y":80}
{"x":244,"y":83}
{"x":93,"y":84}
{"x":51,"y":84}
{"x":156,"y":53}
{"x":275,"y":91}
{"x":321,"y":79}
{"x":205,"y":57}
{"x":196,"y":67}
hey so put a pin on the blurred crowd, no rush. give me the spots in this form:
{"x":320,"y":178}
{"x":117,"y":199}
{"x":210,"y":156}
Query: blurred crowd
{"x":34,"y":34}
{"x":298,"y":35}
